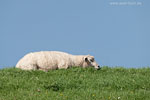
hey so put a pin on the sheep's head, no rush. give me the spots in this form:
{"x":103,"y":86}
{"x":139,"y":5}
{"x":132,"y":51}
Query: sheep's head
{"x":90,"y":61}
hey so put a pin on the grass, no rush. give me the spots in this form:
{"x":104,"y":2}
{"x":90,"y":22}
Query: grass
{"x":76,"y":84}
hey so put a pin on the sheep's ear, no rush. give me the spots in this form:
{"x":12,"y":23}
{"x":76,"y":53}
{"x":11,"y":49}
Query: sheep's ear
{"x":86,"y":59}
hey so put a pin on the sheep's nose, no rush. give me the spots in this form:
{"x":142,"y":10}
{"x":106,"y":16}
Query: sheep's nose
{"x":99,"y":68}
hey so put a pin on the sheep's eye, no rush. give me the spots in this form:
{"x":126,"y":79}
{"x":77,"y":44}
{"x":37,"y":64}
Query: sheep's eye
{"x":92,"y":60}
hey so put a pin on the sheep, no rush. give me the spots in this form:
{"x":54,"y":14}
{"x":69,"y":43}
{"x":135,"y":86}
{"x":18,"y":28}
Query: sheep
{"x":47,"y":60}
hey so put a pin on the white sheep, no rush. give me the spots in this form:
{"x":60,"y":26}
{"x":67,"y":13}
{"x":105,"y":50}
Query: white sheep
{"x":46,"y":60}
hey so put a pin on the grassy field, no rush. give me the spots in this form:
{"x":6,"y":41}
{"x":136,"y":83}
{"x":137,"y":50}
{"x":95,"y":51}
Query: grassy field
{"x":76,"y":84}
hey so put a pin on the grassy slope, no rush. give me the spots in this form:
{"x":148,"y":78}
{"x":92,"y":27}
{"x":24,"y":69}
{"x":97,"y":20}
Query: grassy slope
{"x":75,"y":84}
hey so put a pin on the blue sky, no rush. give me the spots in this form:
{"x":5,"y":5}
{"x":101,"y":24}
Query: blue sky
{"x":117,"y":35}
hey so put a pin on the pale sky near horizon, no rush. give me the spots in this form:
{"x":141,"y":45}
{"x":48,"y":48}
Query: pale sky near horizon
{"x":116,"y":32}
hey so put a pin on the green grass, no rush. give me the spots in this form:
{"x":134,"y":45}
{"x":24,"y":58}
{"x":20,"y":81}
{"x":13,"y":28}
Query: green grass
{"x":76,"y":84}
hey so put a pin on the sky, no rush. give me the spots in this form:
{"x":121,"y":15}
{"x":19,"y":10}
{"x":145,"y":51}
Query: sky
{"x":115,"y":32}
